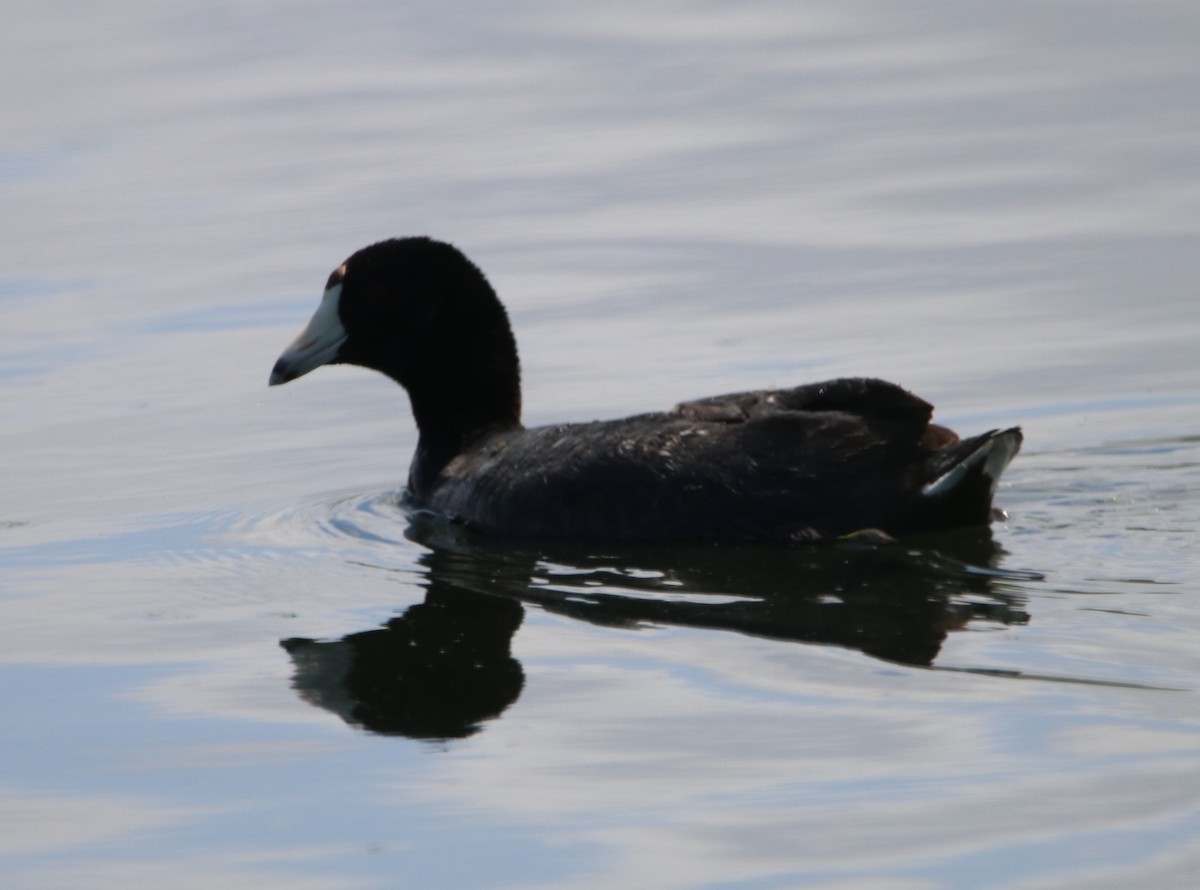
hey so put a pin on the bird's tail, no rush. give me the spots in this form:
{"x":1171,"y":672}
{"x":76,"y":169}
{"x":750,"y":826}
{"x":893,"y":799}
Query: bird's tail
{"x":962,"y":479}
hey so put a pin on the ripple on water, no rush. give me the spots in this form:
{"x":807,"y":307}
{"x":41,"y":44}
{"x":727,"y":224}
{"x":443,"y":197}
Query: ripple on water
{"x":369,"y":518}
{"x":1112,"y":518}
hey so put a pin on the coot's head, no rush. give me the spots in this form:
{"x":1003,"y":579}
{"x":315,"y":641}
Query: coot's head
{"x":398,"y":307}
{"x":419,"y":311}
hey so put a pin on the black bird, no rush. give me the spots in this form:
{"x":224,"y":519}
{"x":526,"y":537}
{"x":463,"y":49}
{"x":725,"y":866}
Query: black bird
{"x":818,"y":461}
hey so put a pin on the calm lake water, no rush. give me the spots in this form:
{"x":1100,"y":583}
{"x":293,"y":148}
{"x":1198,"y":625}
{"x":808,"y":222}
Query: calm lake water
{"x":231,"y":660}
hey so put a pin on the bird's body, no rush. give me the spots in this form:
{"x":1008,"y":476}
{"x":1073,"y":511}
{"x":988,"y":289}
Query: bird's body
{"x":817,"y":461}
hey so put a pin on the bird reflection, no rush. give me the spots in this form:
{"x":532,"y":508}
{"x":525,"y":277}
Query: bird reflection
{"x":434,"y":672}
{"x":444,"y":666}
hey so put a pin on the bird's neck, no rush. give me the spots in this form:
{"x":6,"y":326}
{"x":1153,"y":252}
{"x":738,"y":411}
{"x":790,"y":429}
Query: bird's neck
{"x":473,"y":394}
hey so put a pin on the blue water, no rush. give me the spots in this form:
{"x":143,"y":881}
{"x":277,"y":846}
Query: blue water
{"x":211,"y":597}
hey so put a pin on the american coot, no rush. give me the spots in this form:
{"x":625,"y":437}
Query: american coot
{"x":818,"y":461}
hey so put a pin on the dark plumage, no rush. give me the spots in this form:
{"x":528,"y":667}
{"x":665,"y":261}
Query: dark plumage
{"x":817,"y":461}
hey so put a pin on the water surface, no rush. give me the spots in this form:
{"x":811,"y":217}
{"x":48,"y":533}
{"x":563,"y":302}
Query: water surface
{"x":232,"y":659}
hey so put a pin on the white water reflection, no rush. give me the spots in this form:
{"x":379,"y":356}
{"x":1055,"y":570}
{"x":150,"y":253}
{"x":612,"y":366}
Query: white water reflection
{"x":44,"y":823}
{"x":834,"y":773}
